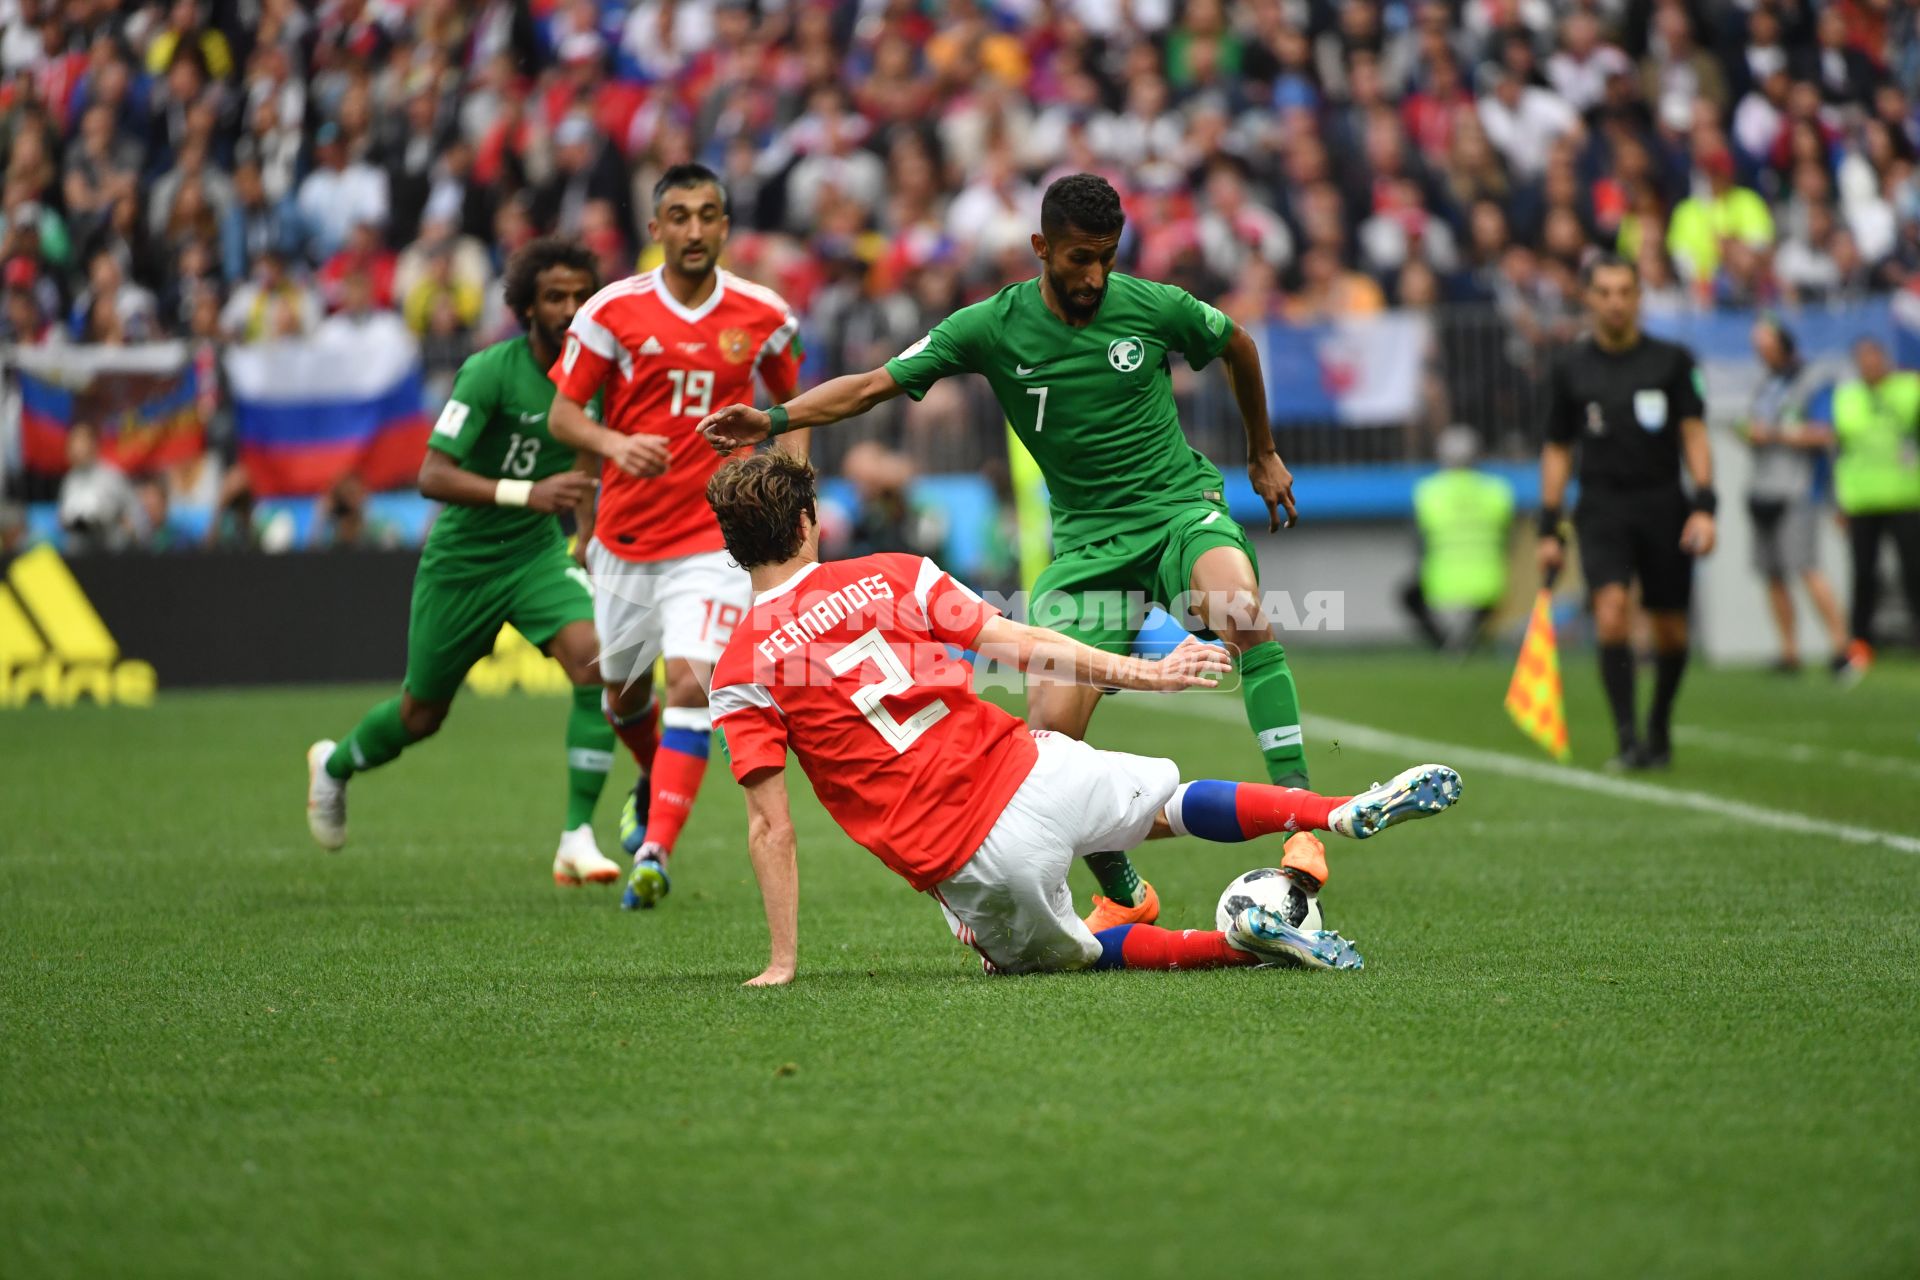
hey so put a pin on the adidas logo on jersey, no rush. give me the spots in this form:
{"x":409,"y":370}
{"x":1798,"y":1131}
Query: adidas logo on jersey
{"x":651,"y":347}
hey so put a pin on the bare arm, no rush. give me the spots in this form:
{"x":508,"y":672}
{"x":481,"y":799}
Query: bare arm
{"x":1815,"y":436}
{"x":444,"y":480}
{"x":1271,"y":479}
{"x":637,"y":455}
{"x":1556,"y":468}
{"x":1696,"y":450}
{"x":1048,"y":653}
{"x":781,"y":387}
{"x":833,"y":400}
{"x":588,"y":465}
{"x":771,"y":845}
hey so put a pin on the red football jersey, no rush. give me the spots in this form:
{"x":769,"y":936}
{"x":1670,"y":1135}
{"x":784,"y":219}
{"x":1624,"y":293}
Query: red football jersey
{"x":664,"y":368}
{"x":847,"y":663}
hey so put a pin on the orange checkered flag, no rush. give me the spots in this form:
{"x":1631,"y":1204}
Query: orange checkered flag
{"x":1533,"y":698}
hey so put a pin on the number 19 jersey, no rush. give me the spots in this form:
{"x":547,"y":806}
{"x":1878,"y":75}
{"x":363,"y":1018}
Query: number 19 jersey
{"x":664,"y":367}
{"x":1093,"y":405}
{"x":847,"y":664}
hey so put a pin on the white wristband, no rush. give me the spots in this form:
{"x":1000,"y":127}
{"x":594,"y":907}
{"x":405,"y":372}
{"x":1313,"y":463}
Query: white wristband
{"x":512,"y":493}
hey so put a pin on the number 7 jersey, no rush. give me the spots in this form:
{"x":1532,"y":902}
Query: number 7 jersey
{"x":664,"y":367}
{"x":847,"y":664}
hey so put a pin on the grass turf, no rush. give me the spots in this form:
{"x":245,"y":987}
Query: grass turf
{"x":1593,"y":1037}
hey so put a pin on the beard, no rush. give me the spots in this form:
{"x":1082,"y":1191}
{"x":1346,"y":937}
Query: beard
{"x":700,"y":270}
{"x":1073,"y":307}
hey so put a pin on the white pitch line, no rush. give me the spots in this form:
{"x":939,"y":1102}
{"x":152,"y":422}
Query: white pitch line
{"x":1467,"y":759}
{"x":1797,"y":752}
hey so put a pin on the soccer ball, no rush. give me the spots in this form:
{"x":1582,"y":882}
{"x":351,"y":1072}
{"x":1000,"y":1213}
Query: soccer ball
{"x":1274,"y":889}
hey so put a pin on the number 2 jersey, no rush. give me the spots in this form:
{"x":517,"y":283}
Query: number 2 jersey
{"x":664,"y":367}
{"x":847,"y":664}
{"x":494,"y":424}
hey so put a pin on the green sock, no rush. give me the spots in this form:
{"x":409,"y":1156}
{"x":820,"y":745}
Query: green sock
{"x":1118,"y":880}
{"x":1273,"y":710}
{"x":378,"y":738}
{"x":589,"y":755}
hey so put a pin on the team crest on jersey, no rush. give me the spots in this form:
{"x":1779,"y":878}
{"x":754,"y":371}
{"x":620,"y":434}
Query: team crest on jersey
{"x":1650,"y":409}
{"x":736,"y":345}
{"x":1126,"y":354}
{"x":1596,"y":419}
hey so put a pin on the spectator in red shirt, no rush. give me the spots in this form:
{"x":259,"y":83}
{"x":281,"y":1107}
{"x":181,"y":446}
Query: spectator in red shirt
{"x":364,"y":255}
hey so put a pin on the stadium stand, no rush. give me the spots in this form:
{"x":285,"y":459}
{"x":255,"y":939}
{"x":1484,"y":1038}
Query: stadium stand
{"x":232,"y":172}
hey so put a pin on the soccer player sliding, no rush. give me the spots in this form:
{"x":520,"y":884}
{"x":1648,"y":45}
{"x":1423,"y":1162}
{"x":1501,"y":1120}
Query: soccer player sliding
{"x":847,"y":664}
{"x":1078,"y":358}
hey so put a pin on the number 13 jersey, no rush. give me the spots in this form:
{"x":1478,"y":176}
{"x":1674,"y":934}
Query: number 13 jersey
{"x":847,"y":663}
{"x":664,"y":367}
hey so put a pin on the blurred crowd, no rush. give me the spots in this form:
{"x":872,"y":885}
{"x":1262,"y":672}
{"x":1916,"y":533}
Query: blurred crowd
{"x":233,"y":170}
{"x":248,"y":167}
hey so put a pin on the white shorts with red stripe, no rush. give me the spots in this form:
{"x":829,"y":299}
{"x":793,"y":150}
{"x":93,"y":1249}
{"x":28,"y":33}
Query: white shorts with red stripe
{"x":1010,"y":902}
{"x":686,"y":607}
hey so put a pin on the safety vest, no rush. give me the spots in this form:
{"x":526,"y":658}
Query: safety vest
{"x":1878,"y":429}
{"x":1463,"y":517}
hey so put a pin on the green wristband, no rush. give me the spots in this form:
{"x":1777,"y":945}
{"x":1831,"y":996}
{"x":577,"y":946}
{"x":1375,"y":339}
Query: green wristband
{"x":776,"y":420}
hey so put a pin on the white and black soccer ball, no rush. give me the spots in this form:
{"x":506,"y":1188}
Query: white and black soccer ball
{"x":1274,"y":889}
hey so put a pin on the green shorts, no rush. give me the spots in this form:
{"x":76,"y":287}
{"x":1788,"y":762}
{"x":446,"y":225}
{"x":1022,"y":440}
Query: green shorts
{"x":1093,"y":593}
{"x":456,"y":619}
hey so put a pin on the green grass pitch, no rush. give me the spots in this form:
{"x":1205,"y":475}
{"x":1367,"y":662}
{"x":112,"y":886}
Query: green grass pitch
{"x":1595,"y":1036}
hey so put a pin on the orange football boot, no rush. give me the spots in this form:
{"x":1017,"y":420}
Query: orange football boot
{"x":1304,"y":856}
{"x":1108,"y":914}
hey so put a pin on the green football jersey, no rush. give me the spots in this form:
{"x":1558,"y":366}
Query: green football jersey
{"x":1093,"y":405}
{"x":495,"y":425}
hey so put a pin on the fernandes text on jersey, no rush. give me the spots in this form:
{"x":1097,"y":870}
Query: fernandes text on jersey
{"x":848,"y":665}
{"x":1079,"y":360}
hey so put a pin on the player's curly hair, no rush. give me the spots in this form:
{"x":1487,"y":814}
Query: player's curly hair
{"x":759,"y":501}
{"x":521,"y":282}
{"x":1083,"y":202}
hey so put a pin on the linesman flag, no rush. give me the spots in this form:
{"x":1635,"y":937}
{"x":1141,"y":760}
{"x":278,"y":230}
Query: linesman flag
{"x":1533,"y":698}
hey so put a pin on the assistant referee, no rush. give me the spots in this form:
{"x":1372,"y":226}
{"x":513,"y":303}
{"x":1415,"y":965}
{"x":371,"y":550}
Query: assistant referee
{"x":1632,"y":406}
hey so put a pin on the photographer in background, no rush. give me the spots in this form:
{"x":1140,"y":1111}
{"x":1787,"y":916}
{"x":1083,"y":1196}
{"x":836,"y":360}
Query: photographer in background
{"x":1780,"y":495}
{"x":98,"y":509}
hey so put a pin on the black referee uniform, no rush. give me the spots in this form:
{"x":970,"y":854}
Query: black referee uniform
{"x":1621,"y":412}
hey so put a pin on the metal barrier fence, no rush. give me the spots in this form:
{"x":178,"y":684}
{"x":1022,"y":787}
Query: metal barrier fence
{"x":1481,"y":367}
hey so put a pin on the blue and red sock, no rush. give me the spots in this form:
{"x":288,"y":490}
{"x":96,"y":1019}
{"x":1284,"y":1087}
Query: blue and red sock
{"x":1230,"y":812}
{"x":1146,"y":946}
{"x":678,"y":767}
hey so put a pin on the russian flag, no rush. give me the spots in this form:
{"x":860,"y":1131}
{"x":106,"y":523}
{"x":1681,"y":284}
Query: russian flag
{"x":145,"y":400}
{"x":348,"y":399}
{"x":1358,"y":372}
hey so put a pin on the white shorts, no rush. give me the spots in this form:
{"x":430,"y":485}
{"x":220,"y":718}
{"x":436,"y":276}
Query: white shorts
{"x":681,"y":608}
{"x":1010,"y":902}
